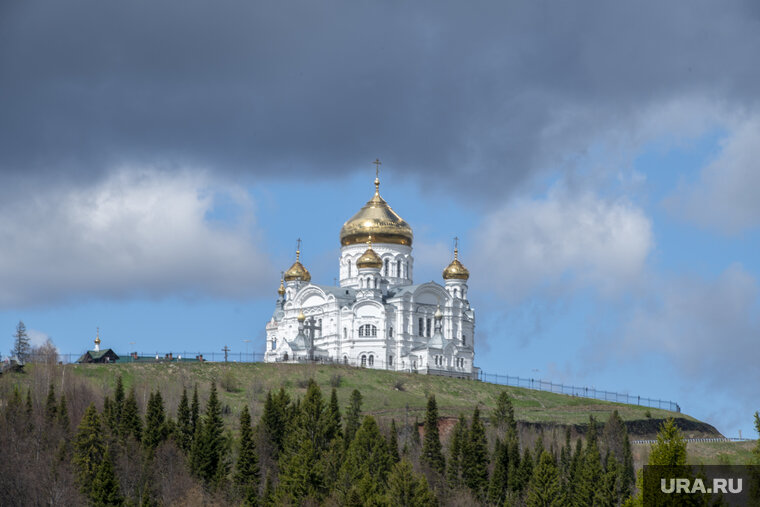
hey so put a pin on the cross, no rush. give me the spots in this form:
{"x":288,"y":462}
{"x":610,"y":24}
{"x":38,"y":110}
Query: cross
{"x":456,"y":243}
{"x":298,"y":244}
{"x":377,"y":167}
{"x":225,"y":349}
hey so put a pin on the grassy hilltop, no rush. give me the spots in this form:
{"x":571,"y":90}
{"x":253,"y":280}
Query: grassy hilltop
{"x":386,"y":394}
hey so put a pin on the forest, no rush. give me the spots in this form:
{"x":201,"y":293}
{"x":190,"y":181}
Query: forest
{"x":76,"y":448}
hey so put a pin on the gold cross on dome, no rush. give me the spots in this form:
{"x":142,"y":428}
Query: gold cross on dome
{"x":377,"y":167}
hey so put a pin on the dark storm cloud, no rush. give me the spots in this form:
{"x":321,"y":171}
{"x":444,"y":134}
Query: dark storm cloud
{"x":491,"y":90}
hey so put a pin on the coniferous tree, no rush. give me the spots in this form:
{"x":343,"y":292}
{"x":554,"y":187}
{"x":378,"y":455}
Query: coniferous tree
{"x":333,"y":424}
{"x":51,"y":405}
{"x":21,"y":346}
{"x":301,"y":474}
{"x":525,"y":471}
{"x":155,"y":421}
{"x":586,"y":491}
{"x":63,"y":415}
{"x":352,"y":415}
{"x":88,"y":450}
{"x":210,"y":463}
{"x":475,"y":457}
{"x":545,"y":487}
{"x":367,"y":464}
{"x":105,"y":487}
{"x":29,"y":411}
{"x":431,"y":447}
{"x":184,"y":435}
{"x":247,"y":467}
{"x":503,"y":417}
{"x":506,"y":461}
{"x":408,"y":489}
{"x":131,"y":422}
{"x":118,"y":405}
{"x":456,"y":448}
{"x":275,"y":418}
{"x":393,"y":442}
{"x":194,"y":410}
{"x":416,"y":432}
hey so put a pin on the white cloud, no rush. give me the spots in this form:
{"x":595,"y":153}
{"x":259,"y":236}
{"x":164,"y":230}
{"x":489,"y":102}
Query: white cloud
{"x":138,"y":232}
{"x":37,"y":338}
{"x":725,"y":196}
{"x":563,"y":241}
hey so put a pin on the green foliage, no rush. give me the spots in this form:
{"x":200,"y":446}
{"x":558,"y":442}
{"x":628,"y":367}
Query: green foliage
{"x":247,"y":467}
{"x":524,"y":472}
{"x":51,"y":405}
{"x":88,"y":450}
{"x":545,"y":487}
{"x":275,"y":418}
{"x":208,"y":459}
{"x":456,"y":448}
{"x":194,"y":411}
{"x":431,"y":447}
{"x":503,"y":416}
{"x":589,"y":476}
{"x":105,"y":487}
{"x":353,"y":413}
{"x":475,"y":457}
{"x":756,"y":450}
{"x":63,"y":415}
{"x":367,"y":463}
{"x":393,"y":442}
{"x":155,"y":421}
{"x":131,"y":422}
{"x":21,"y":346}
{"x":184,"y":431}
{"x":670,"y":448}
{"x":333,"y":424}
{"x":118,"y":405}
{"x":505,"y":476}
{"x":408,"y":489}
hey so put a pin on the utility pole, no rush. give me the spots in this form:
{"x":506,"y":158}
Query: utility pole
{"x":225,"y":349}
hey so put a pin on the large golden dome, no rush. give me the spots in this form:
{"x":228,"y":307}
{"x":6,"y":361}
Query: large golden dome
{"x":455,"y":270}
{"x":378,"y":221}
{"x":297,"y":271}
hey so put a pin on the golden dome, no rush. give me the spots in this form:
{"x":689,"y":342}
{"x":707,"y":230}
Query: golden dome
{"x":369,"y":259}
{"x":281,"y":289}
{"x":455,"y":270}
{"x":378,"y":220}
{"x":438,"y":315}
{"x":297,"y":271}
{"x":301,"y":317}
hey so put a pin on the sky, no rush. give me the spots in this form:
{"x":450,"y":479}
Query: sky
{"x":597,"y":160}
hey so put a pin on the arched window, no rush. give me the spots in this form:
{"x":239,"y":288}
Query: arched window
{"x":371,"y":360}
{"x":421,"y":327}
{"x":387,"y":263}
{"x":319,"y":331}
{"x":364,"y":360}
{"x":285,"y":357}
{"x":274,"y":343}
{"x":345,"y":359}
{"x":427,"y":328}
{"x":390,"y":332}
{"x":349,"y":268}
{"x":345,"y":333}
{"x":414,"y":364}
{"x":464,"y":341}
{"x":390,"y":360}
{"x":361,"y":330}
{"x":398,"y":269}
{"x":367,"y":330}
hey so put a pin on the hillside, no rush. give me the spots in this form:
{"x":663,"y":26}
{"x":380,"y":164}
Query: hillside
{"x":386,"y":394}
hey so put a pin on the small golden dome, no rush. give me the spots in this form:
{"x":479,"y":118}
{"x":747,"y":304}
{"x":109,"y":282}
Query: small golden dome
{"x":281,"y":289}
{"x":378,"y":220}
{"x":369,"y":259}
{"x":297,"y":271}
{"x":301,"y":317}
{"x":438,"y":315}
{"x":455,"y":270}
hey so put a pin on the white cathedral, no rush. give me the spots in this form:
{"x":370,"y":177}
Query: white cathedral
{"x":377,"y":317}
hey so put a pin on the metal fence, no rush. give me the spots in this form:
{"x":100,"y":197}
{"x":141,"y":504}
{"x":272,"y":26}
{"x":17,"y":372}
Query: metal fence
{"x":583,"y":392}
{"x":507,"y":380}
{"x":724,"y":439}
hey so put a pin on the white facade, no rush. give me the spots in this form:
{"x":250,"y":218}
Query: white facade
{"x":377,"y":317}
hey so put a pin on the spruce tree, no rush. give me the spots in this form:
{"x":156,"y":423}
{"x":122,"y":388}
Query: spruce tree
{"x":88,"y":450}
{"x":393,"y":442}
{"x":155,"y":421}
{"x":503,"y":417}
{"x":525,"y":471}
{"x":210,"y":461}
{"x":131,"y":422}
{"x":589,"y":477}
{"x":63,"y":415}
{"x":118,"y":404}
{"x":21,"y":346}
{"x":105,"y":487}
{"x":301,"y":476}
{"x":274,"y":420}
{"x":51,"y":405}
{"x":431,"y":447}
{"x":456,"y":448}
{"x":475,"y":457}
{"x":503,"y":470}
{"x":247,"y":467}
{"x":367,"y":463}
{"x":184,"y":435}
{"x":416,"y":432}
{"x":353,"y":413}
{"x":408,"y":489}
{"x":334,"y":421}
{"x":194,"y":410}
{"x":29,"y":411}
{"x":545,"y":487}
